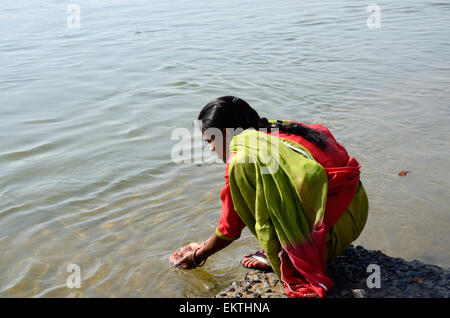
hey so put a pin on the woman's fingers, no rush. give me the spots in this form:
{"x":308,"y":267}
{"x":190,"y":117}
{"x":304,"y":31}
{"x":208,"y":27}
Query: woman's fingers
{"x":185,"y":249}
{"x":186,"y":261}
{"x":174,"y":258}
{"x":184,"y":257}
{"x":177,"y":256}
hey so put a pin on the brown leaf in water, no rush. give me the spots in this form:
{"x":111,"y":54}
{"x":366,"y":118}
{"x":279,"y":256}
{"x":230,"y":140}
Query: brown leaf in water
{"x":403,"y":173}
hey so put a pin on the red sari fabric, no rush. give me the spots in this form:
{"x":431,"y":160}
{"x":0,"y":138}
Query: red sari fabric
{"x":341,"y":169}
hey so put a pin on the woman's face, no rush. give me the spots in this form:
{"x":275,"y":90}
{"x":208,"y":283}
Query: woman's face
{"x":218,"y":141}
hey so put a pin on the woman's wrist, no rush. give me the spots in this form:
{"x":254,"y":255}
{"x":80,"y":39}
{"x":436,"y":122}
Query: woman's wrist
{"x":208,"y":248}
{"x":199,"y":256}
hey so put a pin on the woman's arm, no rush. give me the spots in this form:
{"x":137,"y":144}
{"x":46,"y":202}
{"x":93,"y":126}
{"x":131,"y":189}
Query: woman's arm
{"x":197,"y":256}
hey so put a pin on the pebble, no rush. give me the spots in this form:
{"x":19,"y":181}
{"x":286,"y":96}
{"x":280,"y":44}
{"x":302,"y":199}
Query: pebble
{"x":359,"y":293}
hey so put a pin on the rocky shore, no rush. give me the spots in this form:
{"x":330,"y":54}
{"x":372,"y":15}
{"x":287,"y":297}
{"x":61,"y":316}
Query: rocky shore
{"x":349,"y":272}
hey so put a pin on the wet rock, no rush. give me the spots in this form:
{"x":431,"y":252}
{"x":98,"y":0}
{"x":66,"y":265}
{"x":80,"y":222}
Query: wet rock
{"x":266,"y":282}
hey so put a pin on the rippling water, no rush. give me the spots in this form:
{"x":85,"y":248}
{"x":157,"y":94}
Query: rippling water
{"x":86,"y":118}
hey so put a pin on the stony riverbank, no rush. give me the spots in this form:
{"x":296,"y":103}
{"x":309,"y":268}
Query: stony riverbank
{"x":399,"y":278}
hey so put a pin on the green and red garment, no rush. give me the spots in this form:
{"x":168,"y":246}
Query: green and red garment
{"x":280,"y":193}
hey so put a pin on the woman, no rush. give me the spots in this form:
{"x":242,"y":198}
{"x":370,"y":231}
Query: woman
{"x":295,"y":188}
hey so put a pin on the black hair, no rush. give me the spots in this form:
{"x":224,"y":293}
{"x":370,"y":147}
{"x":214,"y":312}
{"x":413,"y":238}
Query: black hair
{"x":233,"y":112}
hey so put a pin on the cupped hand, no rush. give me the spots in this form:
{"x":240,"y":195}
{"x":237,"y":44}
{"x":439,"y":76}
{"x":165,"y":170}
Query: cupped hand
{"x":185,"y":256}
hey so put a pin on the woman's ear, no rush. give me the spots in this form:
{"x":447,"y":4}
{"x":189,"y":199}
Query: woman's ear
{"x":227,"y":134}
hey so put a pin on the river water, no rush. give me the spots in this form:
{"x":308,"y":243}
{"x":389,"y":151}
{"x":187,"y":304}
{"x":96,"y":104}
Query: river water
{"x":87,"y":114}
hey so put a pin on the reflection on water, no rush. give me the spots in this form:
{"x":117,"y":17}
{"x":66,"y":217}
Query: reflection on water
{"x":86,"y":175}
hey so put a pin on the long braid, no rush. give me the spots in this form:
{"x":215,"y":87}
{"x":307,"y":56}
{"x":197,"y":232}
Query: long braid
{"x":309,"y":134}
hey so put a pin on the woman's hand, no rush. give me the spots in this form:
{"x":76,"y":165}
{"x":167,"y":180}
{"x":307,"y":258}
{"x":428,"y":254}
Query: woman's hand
{"x":196,"y":253}
{"x":187,"y":257}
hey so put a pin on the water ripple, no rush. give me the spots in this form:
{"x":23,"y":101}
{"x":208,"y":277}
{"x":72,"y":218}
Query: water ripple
{"x":86,"y":174}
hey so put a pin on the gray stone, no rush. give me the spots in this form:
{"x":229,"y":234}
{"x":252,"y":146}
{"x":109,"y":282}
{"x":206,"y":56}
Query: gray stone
{"x":359,"y":293}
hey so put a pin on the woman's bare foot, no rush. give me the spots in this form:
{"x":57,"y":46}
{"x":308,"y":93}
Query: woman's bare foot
{"x":257,"y":260}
